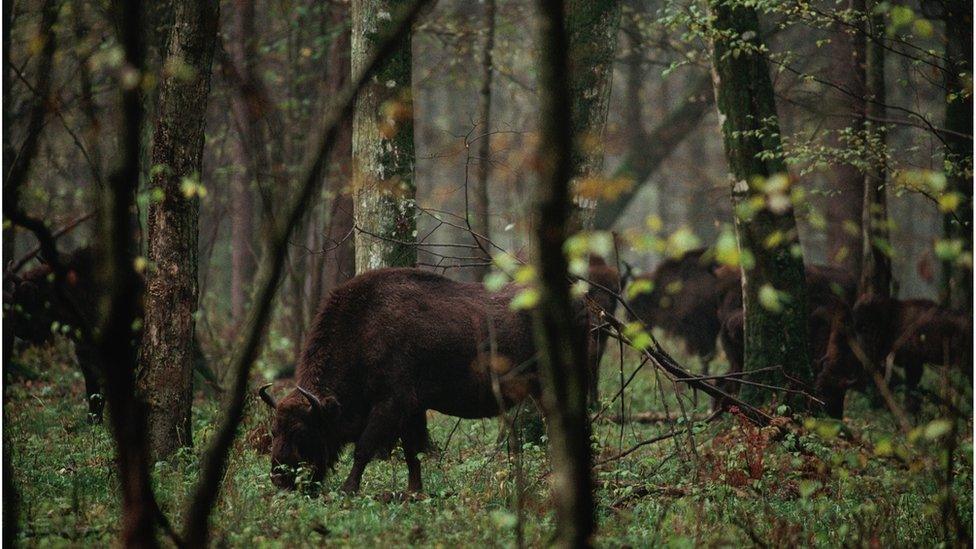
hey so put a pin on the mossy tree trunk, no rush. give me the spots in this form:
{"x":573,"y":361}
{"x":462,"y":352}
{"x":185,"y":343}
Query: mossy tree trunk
{"x":591,"y":28}
{"x":171,"y":297}
{"x":562,"y":348}
{"x":774,"y":286}
{"x":875,"y":261}
{"x":958,"y":147}
{"x":382,"y":145}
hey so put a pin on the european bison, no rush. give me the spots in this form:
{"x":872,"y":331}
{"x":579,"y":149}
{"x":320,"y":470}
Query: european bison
{"x":684,"y":301}
{"x":386,"y":347}
{"x":913,"y":333}
{"x":830,"y":293}
{"x":908,"y":333}
{"x":34,"y":312}
{"x":693,"y":297}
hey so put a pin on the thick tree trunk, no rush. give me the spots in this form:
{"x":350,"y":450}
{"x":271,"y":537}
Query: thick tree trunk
{"x":171,"y":298}
{"x":479,"y":212}
{"x":776,"y":333}
{"x":382,"y":145}
{"x":340,"y":260}
{"x":843,"y":207}
{"x":591,"y":28}
{"x":959,"y":149}
{"x":242,"y":259}
{"x":122,"y":302}
{"x":562,"y":352}
{"x":875,"y":262}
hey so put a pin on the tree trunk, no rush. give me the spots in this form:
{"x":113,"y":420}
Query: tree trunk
{"x":646,"y":156}
{"x":591,"y":28}
{"x":242,"y":259}
{"x":843,"y":207}
{"x":776,"y":332}
{"x":171,"y":299}
{"x":876,"y":263}
{"x":382,"y":145}
{"x":340,"y":259}
{"x":959,"y":149}
{"x":562,"y":352}
{"x":479,"y":215}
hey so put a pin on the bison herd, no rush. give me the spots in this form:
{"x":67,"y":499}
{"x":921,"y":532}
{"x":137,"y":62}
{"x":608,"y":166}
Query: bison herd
{"x":391,"y":344}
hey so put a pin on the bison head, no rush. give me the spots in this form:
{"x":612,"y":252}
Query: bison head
{"x":301,"y":436}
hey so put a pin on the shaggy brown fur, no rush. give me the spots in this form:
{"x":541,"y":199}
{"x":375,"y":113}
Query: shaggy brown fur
{"x":830,"y":293}
{"x":389,"y":345}
{"x":916,"y":332}
{"x":685,"y":300}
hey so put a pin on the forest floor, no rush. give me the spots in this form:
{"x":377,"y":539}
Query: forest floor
{"x":823,"y":483}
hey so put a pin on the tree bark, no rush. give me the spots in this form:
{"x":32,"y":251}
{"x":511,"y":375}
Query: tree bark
{"x":242,"y":262}
{"x":382,"y":145}
{"x":591,"y":29}
{"x":844,"y":204}
{"x":340,"y":260}
{"x":959,"y":149}
{"x":562,"y":352}
{"x":875,"y":263}
{"x":750,"y":129}
{"x":479,"y":215}
{"x":171,"y":300}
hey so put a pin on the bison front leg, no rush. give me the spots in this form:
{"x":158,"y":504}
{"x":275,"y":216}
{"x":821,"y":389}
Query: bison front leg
{"x":382,"y":429}
{"x":88,"y":362}
{"x":415,"y":441}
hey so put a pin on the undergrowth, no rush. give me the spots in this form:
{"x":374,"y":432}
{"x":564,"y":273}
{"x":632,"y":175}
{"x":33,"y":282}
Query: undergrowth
{"x":809,"y":482}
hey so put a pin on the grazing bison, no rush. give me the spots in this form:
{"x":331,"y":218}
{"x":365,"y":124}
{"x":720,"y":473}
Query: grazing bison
{"x":684,"y":301}
{"x":696,"y":299}
{"x":830,"y":293}
{"x":386,"y":347}
{"x":912,"y":333}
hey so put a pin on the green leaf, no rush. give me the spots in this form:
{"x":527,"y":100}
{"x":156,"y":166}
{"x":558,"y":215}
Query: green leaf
{"x":937,"y":428}
{"x":640,"y":286}
{"x":526,"y":299}
{"x":808,"y":487}
{"x":495,"y":280}
{"x":770,"y":299}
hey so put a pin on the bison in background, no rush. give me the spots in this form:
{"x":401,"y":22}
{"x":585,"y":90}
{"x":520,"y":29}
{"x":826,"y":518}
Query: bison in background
{"x":386,"y":347}
{"x":603,"y":294}
{"x":684,"y":301}
{"x":35,"y":312}
{"x":697,"y":300}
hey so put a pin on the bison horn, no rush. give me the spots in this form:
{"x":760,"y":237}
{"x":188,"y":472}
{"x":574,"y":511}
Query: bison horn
{"x":312,"y":399}
{"x":267,"y":398}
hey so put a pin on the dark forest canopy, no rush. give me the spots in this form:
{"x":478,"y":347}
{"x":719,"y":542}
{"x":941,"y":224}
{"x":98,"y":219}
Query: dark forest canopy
{"x":686,"y":250}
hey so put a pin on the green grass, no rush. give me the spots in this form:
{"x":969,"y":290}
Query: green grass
{"x":813,"y":487}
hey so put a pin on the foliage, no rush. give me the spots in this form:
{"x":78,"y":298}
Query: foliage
{"x":823,"y":483}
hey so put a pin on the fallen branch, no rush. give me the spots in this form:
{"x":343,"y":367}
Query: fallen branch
{"x":657,"y":417}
